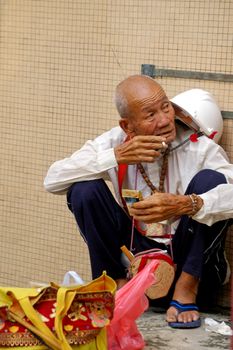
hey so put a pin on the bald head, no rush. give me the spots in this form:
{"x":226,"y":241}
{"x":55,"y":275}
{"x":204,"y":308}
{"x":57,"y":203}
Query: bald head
{"x":135,"y":88}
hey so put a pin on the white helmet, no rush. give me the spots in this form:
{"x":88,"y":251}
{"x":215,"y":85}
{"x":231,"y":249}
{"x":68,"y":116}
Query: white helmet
{"x":198,"y":109}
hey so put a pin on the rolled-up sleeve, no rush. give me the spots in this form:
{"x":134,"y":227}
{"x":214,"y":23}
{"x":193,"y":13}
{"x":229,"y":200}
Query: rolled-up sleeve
{"x":91,"y":162}
{"x":218,"y":205}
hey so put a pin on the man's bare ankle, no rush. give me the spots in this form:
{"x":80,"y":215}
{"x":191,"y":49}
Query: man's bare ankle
{"x":186,"y":288}
{"x":189,"y":281}
{"x":121,"y":282}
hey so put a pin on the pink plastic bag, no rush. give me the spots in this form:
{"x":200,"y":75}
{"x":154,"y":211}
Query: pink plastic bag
{"x":130,"y":303}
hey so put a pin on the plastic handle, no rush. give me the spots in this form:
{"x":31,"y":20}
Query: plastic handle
{"x":72,"y":275}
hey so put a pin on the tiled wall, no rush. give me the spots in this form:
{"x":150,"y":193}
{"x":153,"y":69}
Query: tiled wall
{"x":60,"y":61}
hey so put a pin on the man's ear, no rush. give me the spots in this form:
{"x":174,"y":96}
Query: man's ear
{"x":126,"y":126}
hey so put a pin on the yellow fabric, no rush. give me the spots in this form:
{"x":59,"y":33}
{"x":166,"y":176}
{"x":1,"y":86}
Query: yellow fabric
{"x":65,"y":297}
{"x":9,"y":294}
{"x":101,"y":340}
{"x":102,"y":283}
{"x":5,"y":300}
{"x":21,"y":293}
{"x":27,"y":297}
{"x":64,"y":300}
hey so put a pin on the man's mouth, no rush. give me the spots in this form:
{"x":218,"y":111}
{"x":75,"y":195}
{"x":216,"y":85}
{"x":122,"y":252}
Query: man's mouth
{"x":168,"y":135}
{"x":164,"y":134}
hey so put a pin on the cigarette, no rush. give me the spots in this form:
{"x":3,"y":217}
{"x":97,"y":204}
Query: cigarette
{"x":127,"y":252}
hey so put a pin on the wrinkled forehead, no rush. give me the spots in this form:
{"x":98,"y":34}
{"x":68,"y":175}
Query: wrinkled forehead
{"x":142,"y":88}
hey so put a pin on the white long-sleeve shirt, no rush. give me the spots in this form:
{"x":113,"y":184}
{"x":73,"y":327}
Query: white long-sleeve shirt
{"x":96,"y":159}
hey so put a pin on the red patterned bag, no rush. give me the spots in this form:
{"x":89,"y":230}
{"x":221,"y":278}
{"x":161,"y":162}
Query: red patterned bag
{"x":59,"y":317}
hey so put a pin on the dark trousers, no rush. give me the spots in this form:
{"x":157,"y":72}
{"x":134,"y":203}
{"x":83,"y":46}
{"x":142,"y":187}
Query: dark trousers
{"x":198,"y":249}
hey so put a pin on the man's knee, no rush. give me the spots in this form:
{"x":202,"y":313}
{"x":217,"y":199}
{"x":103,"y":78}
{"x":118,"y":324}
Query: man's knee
{"x":205,"y":180}
{"x":84,"y":191}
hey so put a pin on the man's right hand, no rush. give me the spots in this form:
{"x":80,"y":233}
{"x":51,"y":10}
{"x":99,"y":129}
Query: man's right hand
{"x":140,"y":149}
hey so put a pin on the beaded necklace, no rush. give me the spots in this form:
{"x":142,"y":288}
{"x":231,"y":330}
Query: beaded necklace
{"x":162,"y":174}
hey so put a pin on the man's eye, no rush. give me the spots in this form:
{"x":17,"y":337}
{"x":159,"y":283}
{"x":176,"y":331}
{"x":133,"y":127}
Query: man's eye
{"x":151,"y":114}
{"x":166,"y":106}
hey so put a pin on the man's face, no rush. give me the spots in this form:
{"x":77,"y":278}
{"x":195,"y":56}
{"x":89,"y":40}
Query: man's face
{"x":151,"y":113}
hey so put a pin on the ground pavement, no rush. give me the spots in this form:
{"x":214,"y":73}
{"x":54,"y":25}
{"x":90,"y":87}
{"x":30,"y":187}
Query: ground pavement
{"x":159,"y":336}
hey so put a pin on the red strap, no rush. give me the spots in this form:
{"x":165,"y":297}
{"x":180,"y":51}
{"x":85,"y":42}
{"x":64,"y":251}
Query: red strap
{"x":122,"y":170}
{"x":158,"y":256}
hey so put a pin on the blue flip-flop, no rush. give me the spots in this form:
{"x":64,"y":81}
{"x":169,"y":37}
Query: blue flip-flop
{"x":181,"y":308}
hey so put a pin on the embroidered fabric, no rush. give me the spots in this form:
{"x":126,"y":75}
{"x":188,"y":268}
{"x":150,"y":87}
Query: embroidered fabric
{"x":54,"y":315}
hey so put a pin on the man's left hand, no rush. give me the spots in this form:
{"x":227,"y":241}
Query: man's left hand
{"x":162,"y":206}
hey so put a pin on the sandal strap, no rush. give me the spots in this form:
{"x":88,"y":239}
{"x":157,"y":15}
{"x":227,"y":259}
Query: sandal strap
{"x":181,"y":307}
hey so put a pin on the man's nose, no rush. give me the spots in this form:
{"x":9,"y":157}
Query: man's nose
{"x":163,"y":119}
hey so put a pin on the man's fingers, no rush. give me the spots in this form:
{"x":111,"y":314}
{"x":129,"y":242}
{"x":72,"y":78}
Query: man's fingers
{"x":149,"y":138}
{"x":149,"y":219}
{"x":149,"y":142}
{"x":140,"y":149}
{"x":145,"y":204}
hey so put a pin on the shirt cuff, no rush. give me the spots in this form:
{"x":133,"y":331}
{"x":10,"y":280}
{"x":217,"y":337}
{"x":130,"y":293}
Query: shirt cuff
{"x":106,"y":159}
